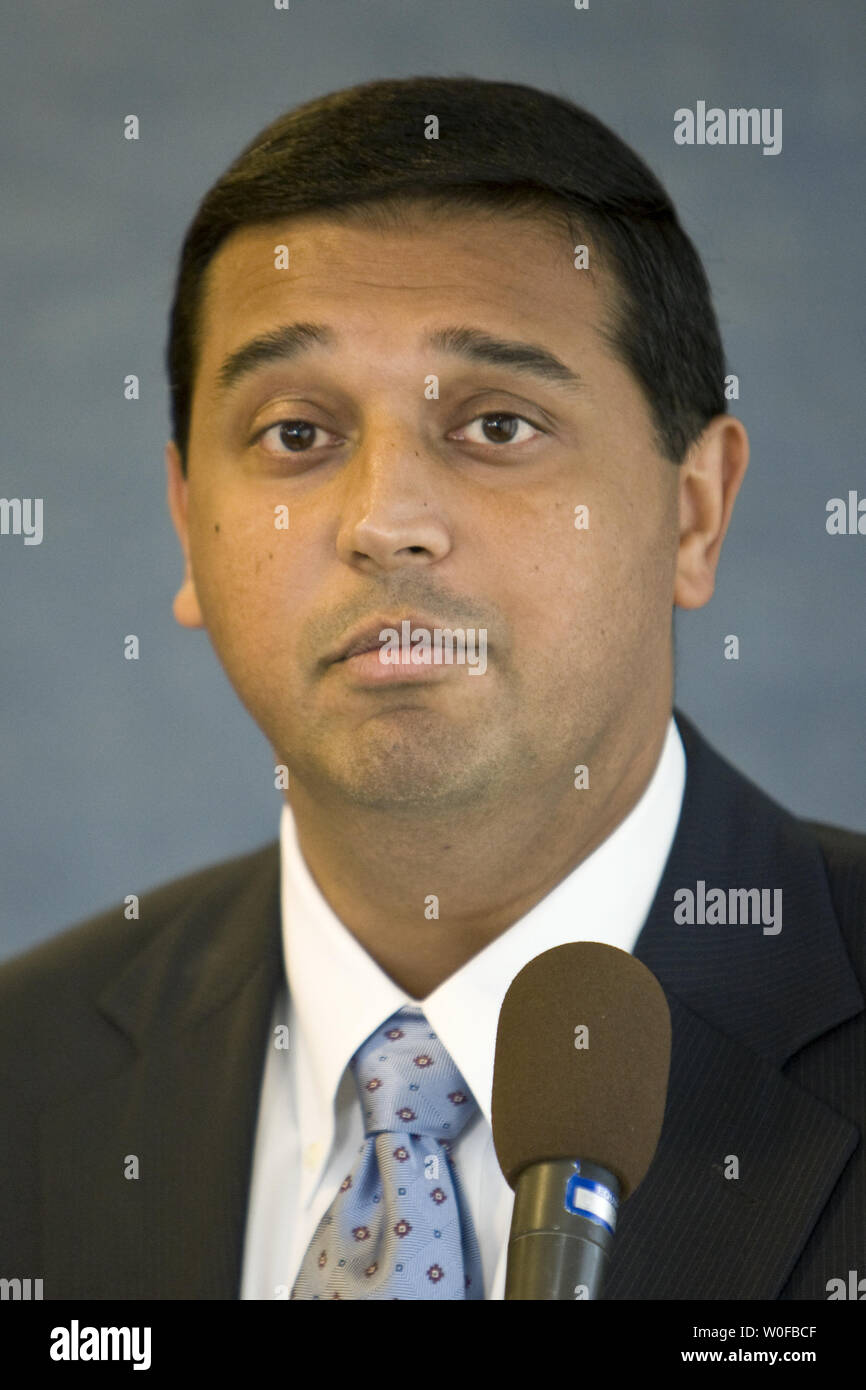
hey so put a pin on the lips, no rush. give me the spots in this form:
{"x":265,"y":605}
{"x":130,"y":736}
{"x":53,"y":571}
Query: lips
{"x":367,"y":639}
{"x":367,"y":642}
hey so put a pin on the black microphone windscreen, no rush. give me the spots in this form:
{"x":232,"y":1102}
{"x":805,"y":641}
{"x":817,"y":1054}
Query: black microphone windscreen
{"x":582,"y":1060}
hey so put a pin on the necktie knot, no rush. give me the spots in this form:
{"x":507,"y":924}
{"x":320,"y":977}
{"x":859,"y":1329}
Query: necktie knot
{"x":408,"y":1082}
{"x":399,"y":1226}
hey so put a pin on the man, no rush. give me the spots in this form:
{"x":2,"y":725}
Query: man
{"x":442,"y":360}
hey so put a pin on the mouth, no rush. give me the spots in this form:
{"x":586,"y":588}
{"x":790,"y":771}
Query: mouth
{"x":368,"y":638}
{"x":369,"y":664}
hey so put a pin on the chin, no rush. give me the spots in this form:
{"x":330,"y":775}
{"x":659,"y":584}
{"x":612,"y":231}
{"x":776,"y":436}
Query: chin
{"x":397,"y":776}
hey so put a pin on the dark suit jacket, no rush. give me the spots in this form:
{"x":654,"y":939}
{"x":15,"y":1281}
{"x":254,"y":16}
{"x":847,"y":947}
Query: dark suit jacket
{"x":148,"y":1038}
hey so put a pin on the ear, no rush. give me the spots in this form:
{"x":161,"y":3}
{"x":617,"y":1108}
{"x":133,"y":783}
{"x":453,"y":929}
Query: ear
{"x":186,"y":606}
{"x":710,"y":478}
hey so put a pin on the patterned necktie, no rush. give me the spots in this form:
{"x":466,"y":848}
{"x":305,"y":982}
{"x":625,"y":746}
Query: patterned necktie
{"x":399,"y":1227}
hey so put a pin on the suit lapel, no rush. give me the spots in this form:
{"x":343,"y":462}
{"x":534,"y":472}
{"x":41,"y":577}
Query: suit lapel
{"x":197,"y":1005}
{"x":742,"y":1003}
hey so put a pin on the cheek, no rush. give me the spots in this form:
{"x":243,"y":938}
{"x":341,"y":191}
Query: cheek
{"x":588,"y":598}
{"x":239,"y":568}
{"x":253,"y":623}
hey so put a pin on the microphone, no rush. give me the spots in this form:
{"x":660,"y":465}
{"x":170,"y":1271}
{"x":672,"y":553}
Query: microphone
{"x":580,"y":1081}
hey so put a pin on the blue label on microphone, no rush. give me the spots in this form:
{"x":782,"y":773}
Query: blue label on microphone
{"x":585,"y":1197}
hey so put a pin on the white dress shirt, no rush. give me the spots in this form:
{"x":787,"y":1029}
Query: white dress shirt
{"x":310,"y":1127}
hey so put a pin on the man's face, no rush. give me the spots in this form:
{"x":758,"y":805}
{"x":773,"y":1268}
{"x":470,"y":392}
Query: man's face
{"x":403,"y":503}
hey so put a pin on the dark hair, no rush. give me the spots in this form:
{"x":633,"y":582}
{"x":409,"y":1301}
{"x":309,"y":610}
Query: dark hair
{"x":501,"y":146}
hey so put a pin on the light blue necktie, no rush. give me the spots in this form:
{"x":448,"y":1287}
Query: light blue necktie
{"x":399,"y":1227}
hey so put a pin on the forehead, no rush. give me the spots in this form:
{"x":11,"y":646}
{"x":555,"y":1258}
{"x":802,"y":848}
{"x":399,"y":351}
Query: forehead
{"x":514,"y":271}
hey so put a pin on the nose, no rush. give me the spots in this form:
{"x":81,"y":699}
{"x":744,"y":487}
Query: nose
{"x":392,"y":510}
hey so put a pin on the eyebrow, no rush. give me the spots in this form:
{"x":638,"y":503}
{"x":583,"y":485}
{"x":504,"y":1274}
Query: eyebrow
{"x":291,"y":340}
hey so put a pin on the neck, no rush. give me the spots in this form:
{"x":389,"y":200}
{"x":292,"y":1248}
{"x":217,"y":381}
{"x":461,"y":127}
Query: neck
{"x":423,"y":896}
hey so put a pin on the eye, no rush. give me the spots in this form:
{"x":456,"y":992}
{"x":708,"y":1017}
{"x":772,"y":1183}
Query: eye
{"x":297,"y":435}
{"x":500,"y":427}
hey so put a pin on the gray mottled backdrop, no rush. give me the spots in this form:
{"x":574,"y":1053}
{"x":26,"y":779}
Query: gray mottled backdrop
{"x":120,"y":774}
